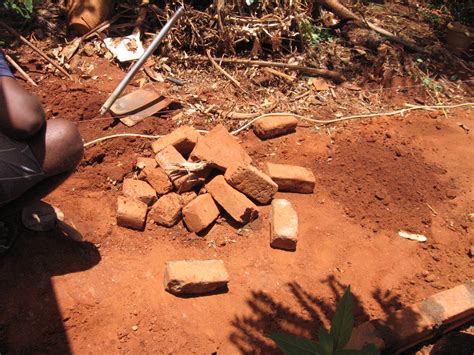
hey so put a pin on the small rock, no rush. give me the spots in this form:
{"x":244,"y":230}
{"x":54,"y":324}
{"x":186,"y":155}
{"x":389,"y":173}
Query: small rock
{"x":470,"y":252}
{"x":135,"y":328}
{"x":430,"y":278}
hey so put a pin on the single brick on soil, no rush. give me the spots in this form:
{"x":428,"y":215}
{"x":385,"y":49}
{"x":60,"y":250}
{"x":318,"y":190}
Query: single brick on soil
{"x":200,"y":213}
{"x":220,"y":149}
{"x":251,"y":182}
{"x":167,"y":210}
{"x":183,"y":139}
{"x":274,"y":125}
{"x":283,"y":225}
{"x":195,"y":276}
{"x":157,"y":178}
{"x":131,"y":213}
{"x":169,"y":159}
{"x":139,"y":190}
{"x":232,"y":201}
{"x":291,"y":178}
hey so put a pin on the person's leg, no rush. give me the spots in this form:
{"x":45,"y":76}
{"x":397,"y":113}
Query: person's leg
{"x":58,"y":148}
{"x":21,"y":114}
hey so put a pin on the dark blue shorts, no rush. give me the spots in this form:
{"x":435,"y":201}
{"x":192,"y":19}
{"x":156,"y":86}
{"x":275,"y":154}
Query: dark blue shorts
{"x":4,"y":69}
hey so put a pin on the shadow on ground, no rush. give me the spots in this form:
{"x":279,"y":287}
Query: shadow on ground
{"x":304,"y":320}
{"x":30,"y":318}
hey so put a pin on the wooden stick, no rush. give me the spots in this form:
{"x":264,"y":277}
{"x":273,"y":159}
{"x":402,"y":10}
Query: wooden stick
{"x":36,"y":49}
{"x":278,"y":73}
{"x":333,"y":75}
{"x":21,"y":71}
{"x":219,"y":68}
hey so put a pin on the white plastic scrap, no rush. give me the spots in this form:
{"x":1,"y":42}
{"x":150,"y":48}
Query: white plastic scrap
{"x":411,"y":236}
{"x":125,"y":48}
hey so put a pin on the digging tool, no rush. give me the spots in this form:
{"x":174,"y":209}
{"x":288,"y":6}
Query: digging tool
{"x":118,"y":90}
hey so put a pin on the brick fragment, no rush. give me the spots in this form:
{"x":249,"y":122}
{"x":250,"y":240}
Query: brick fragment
{"x":131,"y":213}
{"x":157,"y":178}
{"x":364,"y":334}
{"x":252,"y":182}
{"x":291,"y":178}
{"x":183,"y":139}
{"x":283,"y":225}
{"x":232,"y":201}
{"x":167,"y":210}
{"x":220,"y":149}
{"x":143,"y":162}
{"x":187,"y":197}
{"x":448,"y":307}
{"x":274,"y":125}
{"x":171,"y":161}
{"x":195,"y":276}
{"x":139,"y":190}
{"x":200,"y":213}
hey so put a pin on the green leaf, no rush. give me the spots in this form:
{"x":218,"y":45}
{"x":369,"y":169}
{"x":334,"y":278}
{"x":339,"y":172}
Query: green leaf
{"x":294,"y":345}
{"x":343,"y":320}
{"x":326,"y":342}
{"x":369,"y":349}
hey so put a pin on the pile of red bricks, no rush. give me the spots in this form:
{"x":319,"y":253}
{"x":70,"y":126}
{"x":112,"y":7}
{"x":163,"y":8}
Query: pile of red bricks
{"x":196,"y":177}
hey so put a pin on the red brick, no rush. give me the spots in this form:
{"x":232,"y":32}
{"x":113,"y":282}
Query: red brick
{"x":146,"y":162}
{"x":131,"y":213}
{"x":187,"y":197}
{"x":252,"y":182}
{"x":167,"y":210}
{"x":364,"y":334}
{"x":220,"y":149}
{"x":232,"y":201}
{"x":450,"y":306}
{"x":200,"y":213}
{"x":274,"y":125}
{"x":157,"y":178}
{"x":291,"y":178}
{"x":283,"y":225}
{"x":195,"y":276}
{"x":139,"y":190}
{"x":170,"y":160}
{"x":183,"y":139}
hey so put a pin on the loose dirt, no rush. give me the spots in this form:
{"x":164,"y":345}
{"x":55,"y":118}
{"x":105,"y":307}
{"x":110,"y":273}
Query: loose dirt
{"x":374,"y":178}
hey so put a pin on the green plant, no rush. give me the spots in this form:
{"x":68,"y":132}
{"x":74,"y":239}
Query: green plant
{"x":314,"y":35}
{"x":24,"y":8}
{"x":330,"y":343}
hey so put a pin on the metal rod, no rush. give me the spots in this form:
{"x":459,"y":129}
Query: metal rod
{"x":151,"y":48}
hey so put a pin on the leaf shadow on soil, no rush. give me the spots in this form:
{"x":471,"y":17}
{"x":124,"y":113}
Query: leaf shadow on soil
{"x":30,"y":316}
{"x":310,"y":314}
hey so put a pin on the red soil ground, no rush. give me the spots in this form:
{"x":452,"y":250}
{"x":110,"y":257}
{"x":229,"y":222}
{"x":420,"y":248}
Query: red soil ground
{"x":374,"y":178}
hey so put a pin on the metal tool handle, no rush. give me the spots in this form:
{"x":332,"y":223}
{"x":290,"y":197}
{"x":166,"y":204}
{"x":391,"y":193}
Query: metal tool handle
{"x":151,"y":48}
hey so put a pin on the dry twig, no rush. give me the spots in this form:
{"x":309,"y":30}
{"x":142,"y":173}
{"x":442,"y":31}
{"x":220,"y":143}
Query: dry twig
{"x":36,"y":49}
{"x":21,"y":71}
{"x":219,"y":68}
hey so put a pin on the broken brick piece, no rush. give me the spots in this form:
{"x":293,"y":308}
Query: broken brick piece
{"x":139,"y":190}
{"x":200,"y":213}
{"x":283,"y":225}
{"x":187,"y":197}
{"x":167,"y":210}
{"x":195,"y":276}
{"x":232,"y":201}
{"x":274,"y":125}
{"x":220,"y":149}
{"x":131,"y":213}
{"x":172,"y":162}
{"x":291,"y":178}
{"x":142,"y":163}
{"x":183,"y":139}
{"x":157,"y":178}
{"x":252,"y":182}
